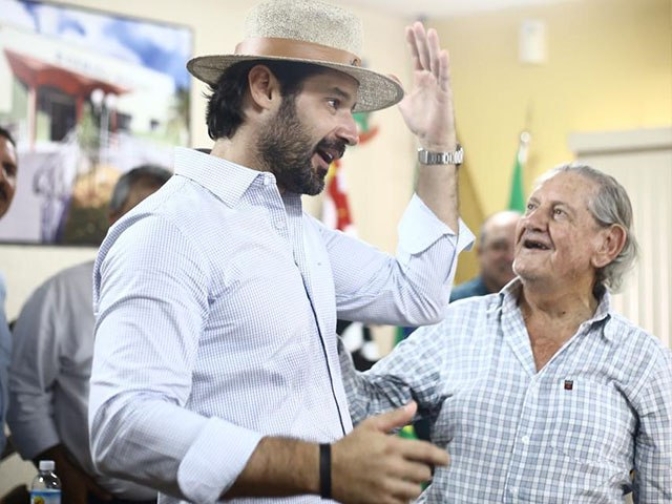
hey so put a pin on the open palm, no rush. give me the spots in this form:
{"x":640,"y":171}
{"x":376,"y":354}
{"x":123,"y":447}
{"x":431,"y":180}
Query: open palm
{"x":428,"y":107}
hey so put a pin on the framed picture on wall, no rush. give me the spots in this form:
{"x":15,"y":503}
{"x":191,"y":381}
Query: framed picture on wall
{"x":88,"y":95}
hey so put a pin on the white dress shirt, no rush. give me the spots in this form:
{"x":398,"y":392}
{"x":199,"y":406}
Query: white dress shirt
{"x":216,"y":301}
{"x":49,"y":375}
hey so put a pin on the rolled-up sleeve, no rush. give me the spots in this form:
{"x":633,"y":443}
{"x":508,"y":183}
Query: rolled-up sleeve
{"x":151,"y":302}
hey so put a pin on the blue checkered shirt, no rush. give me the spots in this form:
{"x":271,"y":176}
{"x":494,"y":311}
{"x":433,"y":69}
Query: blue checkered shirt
{"x":216,"y":301}
{"x":570,"y":433}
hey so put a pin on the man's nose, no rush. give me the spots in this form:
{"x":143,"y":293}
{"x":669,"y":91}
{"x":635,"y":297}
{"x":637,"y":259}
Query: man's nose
{"x":347,"y":131}
{"x":535,"y":220}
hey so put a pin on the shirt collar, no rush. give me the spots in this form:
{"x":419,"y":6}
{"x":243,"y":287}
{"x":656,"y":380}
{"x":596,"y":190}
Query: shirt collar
{"x":508,"y":300}
{"x":227,"y":180}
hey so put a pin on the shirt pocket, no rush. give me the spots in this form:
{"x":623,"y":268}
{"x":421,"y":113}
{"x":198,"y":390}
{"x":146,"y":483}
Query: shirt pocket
{"x":590,"y":421}
{"x":590,"y":429}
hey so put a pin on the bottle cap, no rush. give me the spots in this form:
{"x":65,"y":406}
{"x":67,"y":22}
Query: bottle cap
{"x":47,"y":465}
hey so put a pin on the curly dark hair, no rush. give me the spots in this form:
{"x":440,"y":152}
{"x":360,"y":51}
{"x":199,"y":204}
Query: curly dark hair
{"x":224,"y":114}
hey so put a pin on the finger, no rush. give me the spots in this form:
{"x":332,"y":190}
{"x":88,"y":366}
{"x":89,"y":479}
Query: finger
{"x":422,"y":451}
{"x":414,"y":472}
{"x":404,"y":491}
{"x":393,"y":419}
{"x":410,"y":40}
{"x":421,"y":42}
{"x":444,"y":70}
{"x":434,"y":51}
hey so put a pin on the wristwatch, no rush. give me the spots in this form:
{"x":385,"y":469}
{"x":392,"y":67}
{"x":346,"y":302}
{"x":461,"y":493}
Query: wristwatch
{"x":426,"y":157}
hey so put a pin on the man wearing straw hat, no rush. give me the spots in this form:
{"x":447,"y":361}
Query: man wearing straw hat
{"x":215,"y":371}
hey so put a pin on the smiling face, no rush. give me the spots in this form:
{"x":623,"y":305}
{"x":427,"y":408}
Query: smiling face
{"x":558,"y":241}
{"x":310,"y":131}
{"x":8,"y":174}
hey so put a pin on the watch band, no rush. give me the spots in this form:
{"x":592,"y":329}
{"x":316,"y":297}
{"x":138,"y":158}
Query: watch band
{"x":426,"y":157}
{"x":325,"y":471}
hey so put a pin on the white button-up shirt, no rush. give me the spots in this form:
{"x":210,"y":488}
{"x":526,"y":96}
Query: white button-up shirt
{"x":216,"y":302}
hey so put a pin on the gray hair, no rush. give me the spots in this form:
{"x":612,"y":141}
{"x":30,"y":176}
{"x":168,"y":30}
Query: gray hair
{"x":152,"y":175}
{"x":610,"y":205}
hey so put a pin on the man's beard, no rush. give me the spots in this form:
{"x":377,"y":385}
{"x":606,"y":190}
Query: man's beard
{"x":287,"y":150}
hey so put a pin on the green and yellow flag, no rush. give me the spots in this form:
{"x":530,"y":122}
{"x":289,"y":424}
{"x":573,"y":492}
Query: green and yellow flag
{"x":517,"y":195}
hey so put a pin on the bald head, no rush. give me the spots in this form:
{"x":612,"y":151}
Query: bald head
{"x":495,"y":249}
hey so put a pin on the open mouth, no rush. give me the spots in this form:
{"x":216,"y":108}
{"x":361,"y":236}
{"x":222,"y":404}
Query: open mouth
{"x":330,"y":151}
{"x":532,"y":244}
{"x":327,"y":156}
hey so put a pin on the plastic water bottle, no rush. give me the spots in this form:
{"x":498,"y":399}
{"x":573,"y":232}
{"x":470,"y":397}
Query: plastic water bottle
{"x":46,"y":487}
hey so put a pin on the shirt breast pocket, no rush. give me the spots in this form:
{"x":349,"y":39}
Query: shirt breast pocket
{"x":590,"y":422}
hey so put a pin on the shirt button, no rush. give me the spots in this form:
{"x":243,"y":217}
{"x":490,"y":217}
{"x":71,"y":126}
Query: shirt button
{"x":280,"y":224}
{"x":525,"y":440}
{"x":267,"y":180}
{"x":514,"y":492}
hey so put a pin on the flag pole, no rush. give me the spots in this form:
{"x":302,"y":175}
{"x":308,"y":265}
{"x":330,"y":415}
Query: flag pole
{"x":517,"y":191}
{"x":523,"y":145}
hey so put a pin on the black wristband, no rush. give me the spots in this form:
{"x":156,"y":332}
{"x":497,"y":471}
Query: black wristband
{"x":325,"y":471}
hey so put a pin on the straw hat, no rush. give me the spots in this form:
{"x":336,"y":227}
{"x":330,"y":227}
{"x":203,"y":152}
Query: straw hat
{"x":306,"y":31}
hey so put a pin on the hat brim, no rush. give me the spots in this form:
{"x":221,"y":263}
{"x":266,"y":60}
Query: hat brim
{"x":376,"y":91}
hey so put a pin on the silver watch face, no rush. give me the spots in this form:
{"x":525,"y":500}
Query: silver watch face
{"x":458,"y":157}
{"x":441,"y":158}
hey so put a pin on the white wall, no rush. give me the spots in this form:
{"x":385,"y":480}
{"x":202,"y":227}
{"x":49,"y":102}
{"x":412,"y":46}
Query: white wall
{"x":379,"y":174}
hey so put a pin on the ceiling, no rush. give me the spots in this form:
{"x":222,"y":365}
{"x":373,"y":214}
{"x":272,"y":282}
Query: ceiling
{"x":443,"y":8}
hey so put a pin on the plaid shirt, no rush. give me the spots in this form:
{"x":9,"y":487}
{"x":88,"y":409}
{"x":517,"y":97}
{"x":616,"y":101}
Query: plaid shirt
{"x":570,"y":433}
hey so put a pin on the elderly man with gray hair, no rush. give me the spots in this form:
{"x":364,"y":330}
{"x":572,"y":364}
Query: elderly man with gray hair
{"x":542,"y":392}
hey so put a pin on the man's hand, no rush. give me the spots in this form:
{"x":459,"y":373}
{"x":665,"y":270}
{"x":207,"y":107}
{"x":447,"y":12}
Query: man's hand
{"x":428,"y":108}
{"x":370,"y":466}
{"x":75,"y":483}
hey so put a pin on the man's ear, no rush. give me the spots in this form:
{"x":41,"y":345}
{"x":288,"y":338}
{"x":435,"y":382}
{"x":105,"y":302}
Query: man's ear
{"x":264,"y":88}
{"x":612,"y":242}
